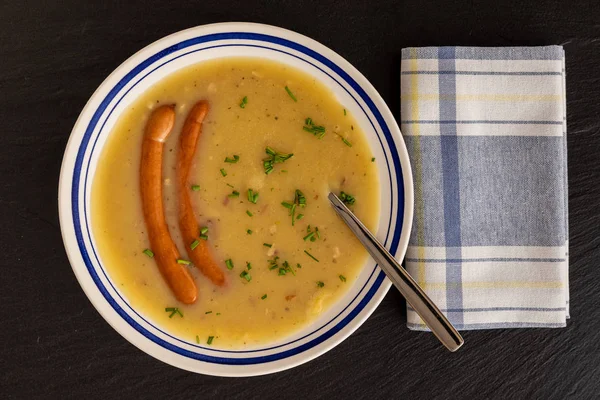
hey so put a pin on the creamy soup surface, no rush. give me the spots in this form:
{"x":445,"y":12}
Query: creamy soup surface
{"x":250,"y":110}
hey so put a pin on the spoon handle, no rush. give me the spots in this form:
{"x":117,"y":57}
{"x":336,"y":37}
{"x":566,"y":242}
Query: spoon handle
{"x":415,"y":296}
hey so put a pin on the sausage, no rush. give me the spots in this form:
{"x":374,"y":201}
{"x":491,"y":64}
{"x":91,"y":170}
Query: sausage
{"x":190,"y":230}
{"x":177,"y":276}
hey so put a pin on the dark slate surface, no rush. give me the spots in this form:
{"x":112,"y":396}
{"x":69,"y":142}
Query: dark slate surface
{"x":53,"y":344}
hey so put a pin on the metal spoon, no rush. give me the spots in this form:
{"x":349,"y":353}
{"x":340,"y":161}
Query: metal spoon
{"x":415,"y":296}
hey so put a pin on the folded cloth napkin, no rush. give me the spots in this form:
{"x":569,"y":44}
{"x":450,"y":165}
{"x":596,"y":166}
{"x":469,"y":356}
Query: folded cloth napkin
{"x":486,"y":132}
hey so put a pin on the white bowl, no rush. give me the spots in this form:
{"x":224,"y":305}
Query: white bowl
{"x":164,"y":57}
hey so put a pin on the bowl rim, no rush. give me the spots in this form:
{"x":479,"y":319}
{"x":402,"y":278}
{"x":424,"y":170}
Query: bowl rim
{"x":65,"y":195}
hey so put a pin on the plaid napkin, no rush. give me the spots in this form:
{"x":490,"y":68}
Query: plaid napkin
{"x":486,"y":133}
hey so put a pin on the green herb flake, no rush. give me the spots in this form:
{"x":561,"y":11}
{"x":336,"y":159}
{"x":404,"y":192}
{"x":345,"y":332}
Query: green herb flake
{"x":273,"y":264}
{"x":269,"y":245}
{"x":210,"y":340}
{"x":203,"y":237}
{"x":298,"y":266}
{"x":264,"y":296}
{"x":194,"y":244}
{"x":320,"y":284}
{"x":183,"y":262}
{"x":244,"y":102}
{"x":309,"y":236}
{"x":249,"y":231}
{"x":311,"y":256}
{"x":347,"y":198}
{"x":342,"y":278}
{"x":316,"y":130}
{"x":248,"y":266}
{"x":344,"y":111}
{"x":373,"y":159}
{"x":197,"y":339}
{"x":148,"y":252}
{"x":346,"y":142}
{"x":208,"y":312}
{"x":287,"y":89}
{"x":249,"y":213}
{"x":173,"y":311}
{"x":299,"y":217}
{"x":287,"y":267}
{"x":233,"y":160}
{"x":235,"y":193}
{"x":223,"y":172}
{"x":195,"y":188}
{"x":274,"y":158}
{"x":299,"y":201}
{"x":252,"y":196}
{"x":204,"y":230}
{"x":312,"y":235}
{"x":229,"y":264}
{"x":246,"y":276}
{"x":282,"y":271}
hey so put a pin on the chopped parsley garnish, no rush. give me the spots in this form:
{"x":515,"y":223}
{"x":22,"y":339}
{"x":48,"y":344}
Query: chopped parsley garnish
{"x":210,"y":340}
{"x":346,"y":142}
{"x":298,"y":266}
{"x":246,"y":276}
{"x":195,"y":188}
{"x":264,"y":296}
{"x":208,"y":312}
{"x":287,"y":267}
{"x":284,"y":269}
{"x":194,"y":244}
{"x":267,"y":245}
{"x":184,"y":262}
{"x":311,"y":256}
{"x":347,"y":198}
{"x":229,"y":263}
{"x":373,"y":159}
{"x":274,"y":263}
{"x":231,"y":186}
{"x":299,"y":216}
{"x":235,"y":193}
{"x":244,"y":102}
{"x":248,"y":266}
{"x":342,"y":278}
{"x":197,"y":339}
{"x":204,"y":233}
{"x":249,"y":213}
{"x":249,"y":231}
{"x":316,"y":130}
{"x":233,"y":160}
{"x":173,"y":311}
{"x":252,"y":196}
{"x":299,"y":201}
{"x":320,"y":284}
{"x":148,"y":252}
{"x":274,"y":158}
{"x":287,"y":89}
{"x":312,"y":235}
{"x":344,"y":111}
{"x":223,"y":172}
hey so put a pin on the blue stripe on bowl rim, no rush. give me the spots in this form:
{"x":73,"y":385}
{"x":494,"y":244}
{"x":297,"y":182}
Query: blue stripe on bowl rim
{"x":257,"y":37}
